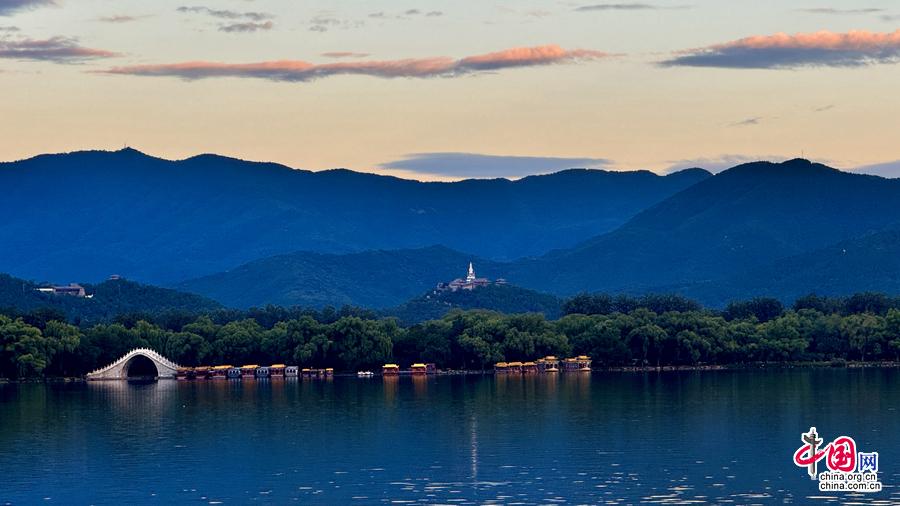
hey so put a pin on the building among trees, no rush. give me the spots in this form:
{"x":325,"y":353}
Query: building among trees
{"x":470,"y":282}
{"x":73,"y":290}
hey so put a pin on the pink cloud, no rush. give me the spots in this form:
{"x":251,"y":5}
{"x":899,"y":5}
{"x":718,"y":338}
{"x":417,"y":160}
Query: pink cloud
{"x":295,"y":70}
{"x":783,"y":50}
{"x":528,"y":56}
{"x":344,"y":54}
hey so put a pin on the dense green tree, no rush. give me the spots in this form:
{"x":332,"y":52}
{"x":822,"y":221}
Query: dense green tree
{"x":864,"y":334}
{"x":24,"y":351}
{"x":761,"y":308}
{"x":188,"y":349}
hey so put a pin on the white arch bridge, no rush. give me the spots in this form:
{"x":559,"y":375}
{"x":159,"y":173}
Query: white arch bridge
{"x":137,"y":363}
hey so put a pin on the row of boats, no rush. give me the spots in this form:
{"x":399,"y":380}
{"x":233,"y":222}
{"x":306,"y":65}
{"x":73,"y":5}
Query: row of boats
{"x":548,"y":364}
{"x":250,"y":371}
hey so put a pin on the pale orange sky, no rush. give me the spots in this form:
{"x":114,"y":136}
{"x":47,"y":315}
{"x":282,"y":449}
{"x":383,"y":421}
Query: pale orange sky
{"x":602,"y":94}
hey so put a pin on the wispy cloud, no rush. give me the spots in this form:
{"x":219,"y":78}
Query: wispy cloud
{"x":248,"y":26}
{"x":121,"y":18}
{"x":475,"y":165}
{"x":235,"y":21}
{"x":824,"y":108}
{"x":836,"y":11}
{"x":755,"y":120}
{"x":226,"y":14}
{"x":784,"y":51}
{"x":407,"y":14}
{"x":327,"y":21}
{"x":417,"y":12}
{"x":299,"y":71}
{"x":8,"y":7}
{"x":344,"y":54}
{"x":9,"y":29}
{"x":629,"y":6}
{"x":55,"y":49}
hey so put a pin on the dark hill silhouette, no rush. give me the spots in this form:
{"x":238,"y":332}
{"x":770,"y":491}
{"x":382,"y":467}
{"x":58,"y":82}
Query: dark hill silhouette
{"x":89,"y":214}
{"x":743,"y":218}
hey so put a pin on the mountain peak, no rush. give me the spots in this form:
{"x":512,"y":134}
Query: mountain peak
{"x":128,"y":150}
{"x":798,"y":162}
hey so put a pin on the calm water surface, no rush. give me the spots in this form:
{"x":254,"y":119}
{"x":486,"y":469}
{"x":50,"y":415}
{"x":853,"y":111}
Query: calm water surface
{"x":606,"y":438}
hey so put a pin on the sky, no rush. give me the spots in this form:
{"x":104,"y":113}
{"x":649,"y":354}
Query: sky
{"x":444,"y":90}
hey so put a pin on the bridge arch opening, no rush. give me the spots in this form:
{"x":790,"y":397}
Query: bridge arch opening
{"x":141,"y":367}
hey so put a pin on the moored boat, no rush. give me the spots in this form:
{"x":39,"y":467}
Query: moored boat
{"x":201,"y":372}
{"x":261,"y":372}
{"x":276,"y":371}
{"x":248,"y":371}
{"x":580,"y":363}
{"x":291,"y":371}
{"x":548,"y":364}
{"x":390,"y":370}
{"x":220,"y":372}
{"x":365,"y":374}
{"x":418,"y":369}
{"x":184,"y":373}
{"x":584,"y":363}
{"x":234,"y":373}
{"x":529,"y":368}
{"x":501,"y":367}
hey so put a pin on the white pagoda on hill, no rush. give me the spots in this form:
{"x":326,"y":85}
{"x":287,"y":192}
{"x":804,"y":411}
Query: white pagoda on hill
{"x":471,"y":282}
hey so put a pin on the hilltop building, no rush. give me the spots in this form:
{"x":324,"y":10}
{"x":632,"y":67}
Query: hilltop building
{"x":72,"y":290}
{"x":470,"y":282}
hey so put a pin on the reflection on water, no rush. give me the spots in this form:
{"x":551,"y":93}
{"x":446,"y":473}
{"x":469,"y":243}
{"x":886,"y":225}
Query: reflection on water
{"x":668,"y":438}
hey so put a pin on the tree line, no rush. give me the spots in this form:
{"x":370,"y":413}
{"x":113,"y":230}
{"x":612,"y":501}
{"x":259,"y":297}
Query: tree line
{"x":654,"y":330}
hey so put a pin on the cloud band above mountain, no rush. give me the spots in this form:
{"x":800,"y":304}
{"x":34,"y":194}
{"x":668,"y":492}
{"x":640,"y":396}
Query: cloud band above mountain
{"x":784,"y":51}
{"x":299,"y":71}
{"x":476,"y":165}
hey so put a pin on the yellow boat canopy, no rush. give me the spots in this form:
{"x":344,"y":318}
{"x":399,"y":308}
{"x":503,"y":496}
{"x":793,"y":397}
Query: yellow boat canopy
{"x":390,"y":366}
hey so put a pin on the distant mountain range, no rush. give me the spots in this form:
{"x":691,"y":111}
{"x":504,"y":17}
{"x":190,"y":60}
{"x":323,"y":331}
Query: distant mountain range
{"x":756,"y":229}
{"x":249,"y":234}
{"x":87,"y":215}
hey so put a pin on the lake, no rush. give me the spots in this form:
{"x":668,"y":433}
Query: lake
{"x":603,"y":438}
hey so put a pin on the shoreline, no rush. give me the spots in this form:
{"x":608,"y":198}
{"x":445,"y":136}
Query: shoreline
{"x":619,"y":369}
